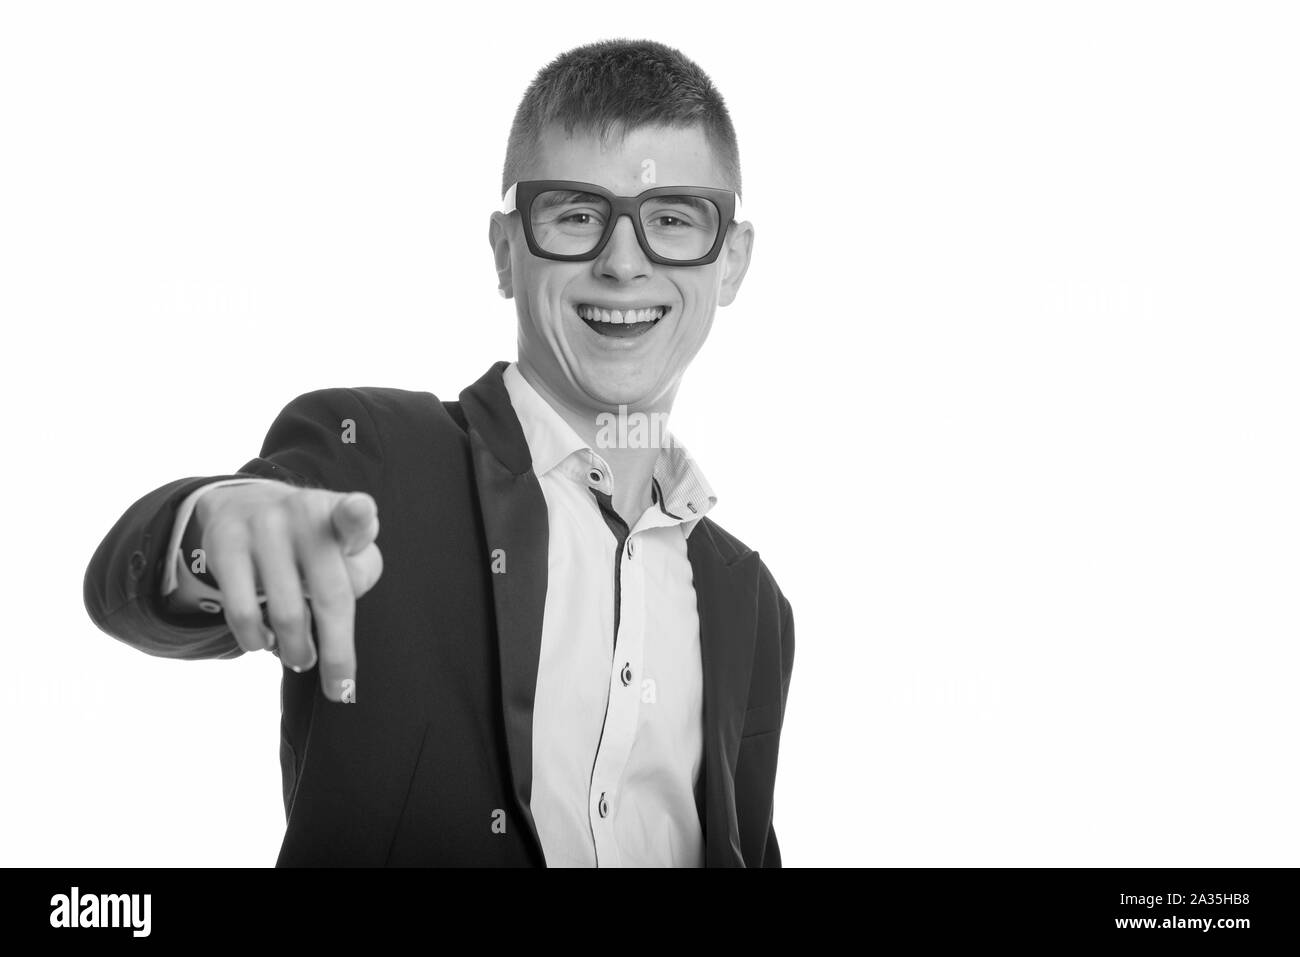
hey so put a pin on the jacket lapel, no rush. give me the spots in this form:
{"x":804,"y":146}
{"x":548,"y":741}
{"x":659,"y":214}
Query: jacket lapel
{"x":726,"y":589}
{"x":517,"y":534}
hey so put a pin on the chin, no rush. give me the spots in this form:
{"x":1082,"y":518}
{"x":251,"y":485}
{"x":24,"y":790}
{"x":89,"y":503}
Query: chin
{"x":615,"y":384}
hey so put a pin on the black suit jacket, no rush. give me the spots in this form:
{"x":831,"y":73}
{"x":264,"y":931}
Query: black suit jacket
{"x":439,"y":740}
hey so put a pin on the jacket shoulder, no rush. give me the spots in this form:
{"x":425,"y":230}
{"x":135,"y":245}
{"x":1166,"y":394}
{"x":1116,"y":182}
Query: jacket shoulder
{"x":374,"y":424}
{"x":387,"y":409}
{"x":379,"y":400}
{"x":731,"y":549}
{"x":728,"y":546}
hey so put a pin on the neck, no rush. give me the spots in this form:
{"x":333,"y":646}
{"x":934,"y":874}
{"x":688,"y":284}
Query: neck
{"x":632,"y":462}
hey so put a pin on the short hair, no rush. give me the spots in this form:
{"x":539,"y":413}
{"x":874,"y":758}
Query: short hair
{"x":616,"y":86}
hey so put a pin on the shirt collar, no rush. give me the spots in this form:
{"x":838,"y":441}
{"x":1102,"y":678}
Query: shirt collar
{"x":682,"y":491}
{"x":550,"y":439}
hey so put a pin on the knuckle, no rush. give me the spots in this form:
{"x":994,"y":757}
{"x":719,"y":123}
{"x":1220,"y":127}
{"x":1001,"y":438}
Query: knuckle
{"x":288,"y":620}
{"x":315,"y":550}
{"x":223,"y":536}
{"x":247,"y":643}
{"x":243,"y":619}
{"x":271,"y":520}
{"x":305,"y":501}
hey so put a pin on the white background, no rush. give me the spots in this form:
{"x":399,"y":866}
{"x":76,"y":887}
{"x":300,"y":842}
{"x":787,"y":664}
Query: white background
{"x":1008,"y":402}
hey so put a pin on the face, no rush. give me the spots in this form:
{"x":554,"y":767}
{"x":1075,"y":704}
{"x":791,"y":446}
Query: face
{"x":587,"y":365}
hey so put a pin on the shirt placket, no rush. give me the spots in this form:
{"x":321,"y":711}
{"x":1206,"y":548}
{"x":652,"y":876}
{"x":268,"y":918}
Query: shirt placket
{"x":623,"y":698}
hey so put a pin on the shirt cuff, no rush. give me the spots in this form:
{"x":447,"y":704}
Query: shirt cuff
{"x":172,"y":573}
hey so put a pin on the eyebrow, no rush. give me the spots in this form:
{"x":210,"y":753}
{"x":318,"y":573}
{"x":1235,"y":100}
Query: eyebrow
{"x":558,"y":197}
{"x":702,"y":206}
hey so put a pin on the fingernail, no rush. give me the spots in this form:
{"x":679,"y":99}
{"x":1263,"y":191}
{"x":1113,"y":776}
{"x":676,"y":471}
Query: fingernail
{"x":268,"y":637}
{"x":348,"y":690}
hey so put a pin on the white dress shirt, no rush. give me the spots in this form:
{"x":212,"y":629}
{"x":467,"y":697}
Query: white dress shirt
{"x":617,"y":719}
{"x":617,"y":722}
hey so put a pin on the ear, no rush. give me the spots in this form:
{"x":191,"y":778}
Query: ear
{"x":499,"y":238}
{"x":735,"y":261}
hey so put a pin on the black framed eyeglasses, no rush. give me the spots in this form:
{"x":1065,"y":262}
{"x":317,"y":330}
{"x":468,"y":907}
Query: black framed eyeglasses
{"x":568,"y":221}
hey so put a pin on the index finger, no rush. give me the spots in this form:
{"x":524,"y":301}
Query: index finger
{"x":333,"y":610}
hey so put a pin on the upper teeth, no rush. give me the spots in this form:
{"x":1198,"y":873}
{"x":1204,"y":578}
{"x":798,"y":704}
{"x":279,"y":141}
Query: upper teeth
{"x":623,"y":316}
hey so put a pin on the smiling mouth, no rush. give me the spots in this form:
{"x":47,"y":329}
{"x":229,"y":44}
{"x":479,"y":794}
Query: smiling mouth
{"x":621,"y":323}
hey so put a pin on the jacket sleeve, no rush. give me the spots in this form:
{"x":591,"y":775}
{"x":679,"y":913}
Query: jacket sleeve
{"x":772,"y":850}
{"x":309,"y":445}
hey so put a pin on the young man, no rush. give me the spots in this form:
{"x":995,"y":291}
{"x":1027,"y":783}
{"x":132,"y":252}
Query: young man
{"x":560,"y":659}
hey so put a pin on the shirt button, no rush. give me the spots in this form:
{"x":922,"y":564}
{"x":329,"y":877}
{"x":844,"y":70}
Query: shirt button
{"x":626,"y":674}
{"x":603,"y":807}
{"x":631,"y":548}
{"x":596,"y":475}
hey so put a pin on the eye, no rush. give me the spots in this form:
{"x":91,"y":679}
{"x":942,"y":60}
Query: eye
{"x":574,"y":218}
{"x":672,"y":217}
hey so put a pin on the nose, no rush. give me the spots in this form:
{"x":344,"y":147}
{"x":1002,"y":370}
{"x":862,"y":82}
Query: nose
{"x":623,"y":259}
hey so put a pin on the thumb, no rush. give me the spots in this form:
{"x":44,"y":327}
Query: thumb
{"x":355,"y":520}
